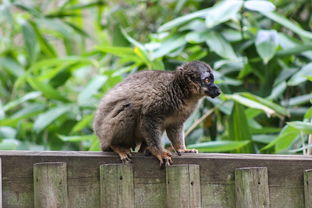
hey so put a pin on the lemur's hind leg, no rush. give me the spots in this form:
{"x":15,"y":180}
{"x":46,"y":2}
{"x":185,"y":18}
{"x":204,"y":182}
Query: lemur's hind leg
{"x":124,"y":153}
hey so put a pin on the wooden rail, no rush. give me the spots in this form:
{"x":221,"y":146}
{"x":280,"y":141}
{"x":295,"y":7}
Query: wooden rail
{"x":96,"y":179}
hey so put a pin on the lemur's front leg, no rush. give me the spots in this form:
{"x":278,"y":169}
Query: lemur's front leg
{"x":176,"y":136}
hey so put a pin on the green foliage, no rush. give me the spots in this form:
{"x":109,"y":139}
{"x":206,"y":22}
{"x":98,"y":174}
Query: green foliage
{"x":58,"y":58}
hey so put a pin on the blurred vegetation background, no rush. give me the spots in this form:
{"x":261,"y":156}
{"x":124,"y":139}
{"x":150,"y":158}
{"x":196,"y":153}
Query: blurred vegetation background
{"x":58,"y":58}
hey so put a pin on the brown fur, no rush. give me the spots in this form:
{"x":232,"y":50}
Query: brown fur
{"x":143,"y":106}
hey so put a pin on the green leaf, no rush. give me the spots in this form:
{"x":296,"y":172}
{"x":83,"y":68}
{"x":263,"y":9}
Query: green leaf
{"x":45,"y":46}
{"x":28,"y":96}
{"x":295,"y":50}
{"x":301,"y":75}
{"x":46,"y":118}
{"x":26,"y":112}
{"x":259,"y":5}
{"x":288,"y":24}
{"x":30,"y":41}
{"x":84,"y":98}
{"x":222,"y":12}
{"x":135,"y":43}
{"x":46,"y":89}
{"x":12,"y":66}
{"x":219,"y":146}
{"x":278,"y":90}
{"x":95,"y":146}
{"x":8,"y":144}
{"x":196,"y":37}
{"x":285,"y":138}
{"x":77,"y":138}
{"x":298,"y":100}
{"x":219,"y":45}
{"x":7,"y":132}
{"x":302,"y":126}
{"x":238,"y":127}
{"x":266,"y":44}
{"x":119,"y":51}
{"x":250,"y":103}
{"x":85,"y":122}
{"x":278,"y":110}
{"x":308,"y":114}
{"x":169,"y":45}
{"x":263,"y":138}
{"x":182,"y":20}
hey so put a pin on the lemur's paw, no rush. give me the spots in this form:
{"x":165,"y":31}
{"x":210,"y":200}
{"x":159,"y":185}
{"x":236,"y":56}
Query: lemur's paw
{"x":179,"y":151}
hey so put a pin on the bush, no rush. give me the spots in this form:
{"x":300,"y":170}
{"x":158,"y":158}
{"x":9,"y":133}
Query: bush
{"x":58,"y":59}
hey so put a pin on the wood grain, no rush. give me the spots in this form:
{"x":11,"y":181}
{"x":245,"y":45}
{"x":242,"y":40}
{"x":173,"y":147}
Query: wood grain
{"x":217,"y":178}
{"x":50,"y":185}
{"x":308,"y":188}
{"x":251,"y":186}
{"x":183,"y":186}
{"x":116,"y":184}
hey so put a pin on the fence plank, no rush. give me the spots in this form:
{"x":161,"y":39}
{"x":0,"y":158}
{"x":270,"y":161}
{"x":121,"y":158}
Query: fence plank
{"x":308,"y":188}
{"x":183,"y":186}
{"x":50,"y":185}
{"x":116,"y":185}
{"x":0,"y":183}
{"x":251,"y":186}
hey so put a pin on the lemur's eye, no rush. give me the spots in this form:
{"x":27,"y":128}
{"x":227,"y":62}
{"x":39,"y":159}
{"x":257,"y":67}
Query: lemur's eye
{"x":207,"y":81}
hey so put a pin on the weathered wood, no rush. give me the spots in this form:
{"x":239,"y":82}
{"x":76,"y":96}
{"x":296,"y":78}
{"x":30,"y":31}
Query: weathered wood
{"x":216,"y":177}
{"x":183,"y":186}
{"x":251,"y":186}
{"x":0,"y":184}
{"x":308,"y":188}
{"x":116,"y":186}
{"x":50,"y":185}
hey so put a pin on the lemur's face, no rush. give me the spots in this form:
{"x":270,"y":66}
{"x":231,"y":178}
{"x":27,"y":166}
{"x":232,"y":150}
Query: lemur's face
{"x":205,"y":79}
{"x":201,"y":78}
{"x":207,"y":83}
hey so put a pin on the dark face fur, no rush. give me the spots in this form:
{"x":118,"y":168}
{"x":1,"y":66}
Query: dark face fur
{"x":201,"y":74}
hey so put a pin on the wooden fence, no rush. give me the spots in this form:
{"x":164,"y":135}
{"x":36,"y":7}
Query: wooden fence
{"x":95,"y":179}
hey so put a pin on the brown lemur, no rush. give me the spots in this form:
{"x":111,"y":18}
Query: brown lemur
{"x":138,"y":110}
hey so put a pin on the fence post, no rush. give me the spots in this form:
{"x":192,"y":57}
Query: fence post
{"x":183,"y":186}
{"x":50,"y":185}
{"x":251,"y":186}
{"x":0,"y":183}
{"x":116,"y":184}
{"x":308,"y":188}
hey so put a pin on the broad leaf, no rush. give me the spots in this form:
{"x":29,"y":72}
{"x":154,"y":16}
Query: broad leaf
{"x":46,"y":89}
{"x":219,"y":146}
{"x":45,"y":119}
{"x":308,"y":114}
{"x":85,"y":122}
{"x":90,"y":90}
{"x":288,"y":24}
{"x":301,"y":75}
{"x":26,"y":97}
{"x":182,"y":20}
{"x":285,"y":138}
{"x":222,"y":12}
{"x":169,"y":45}
{"x":30,"y":41}
{"x":9,"y":144}
{"x":250,"y":103}
{"x":305,"y":127}
{"x":238,"y":127}
{"x":77,"y":138}
{"x":219,"y":45}
{"x":259,"y":5}
{"x":266,"y":44}
{"x":279,"y":110}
